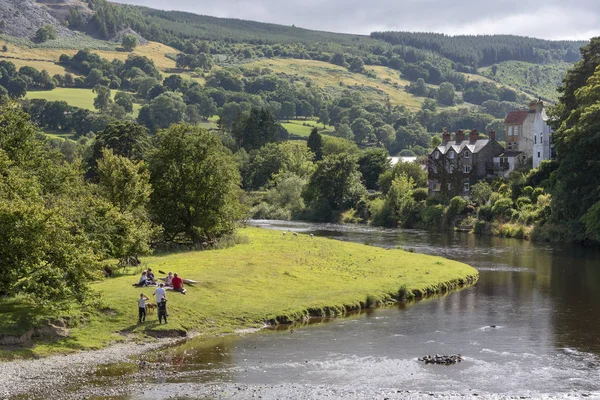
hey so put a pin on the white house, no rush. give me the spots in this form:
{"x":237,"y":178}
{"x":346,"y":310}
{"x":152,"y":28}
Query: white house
{"x":527,"y":131}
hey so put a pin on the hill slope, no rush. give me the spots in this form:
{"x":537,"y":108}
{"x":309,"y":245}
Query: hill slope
{"x":22,"y":18}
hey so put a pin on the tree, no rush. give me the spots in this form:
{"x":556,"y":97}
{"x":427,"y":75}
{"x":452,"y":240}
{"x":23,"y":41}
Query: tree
{"x":577,"y":122}
{"x":481,"y":192}
{"x":335,"y":184}
{"x":126,"y":185}
{"x":103,"y":97}
{"x":357,"y":65}
{"x":254,"y":130}
{"x":129,"y":42}
{"x":315,"y":144}
{"x":4,"y":48}
{"x":125,"y":100}
{"x":411,"y":170}
{"x":445,"y":94}
{"x":362,"y":129}
{"x":163,"y":111}
{"x":372,"y":163}
{"x":46,"y":32}
{"x":44,"y":254}
{"x":385,"y":135}
{"x":173,"y":83}
{"x":324,"y":117}
{"x":124,"y":138}
{"x":195,"y":185}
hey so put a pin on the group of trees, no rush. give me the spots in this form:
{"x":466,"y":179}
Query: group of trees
{"x":63,"y":219}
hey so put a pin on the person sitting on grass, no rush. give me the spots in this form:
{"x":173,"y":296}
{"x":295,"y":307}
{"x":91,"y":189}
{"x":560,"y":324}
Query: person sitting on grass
{"x":178,"y":284}
{"x":150,"y":277}
{"x":162,"y":310}
{"x":142,"y":308}
{"x":143,"y":279}
{"x":169,"y":280}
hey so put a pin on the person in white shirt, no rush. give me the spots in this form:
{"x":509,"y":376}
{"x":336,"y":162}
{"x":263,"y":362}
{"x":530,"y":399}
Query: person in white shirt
{"x":169,"y":280}
{"x":160,"y":293}
{"x":142,"y":308}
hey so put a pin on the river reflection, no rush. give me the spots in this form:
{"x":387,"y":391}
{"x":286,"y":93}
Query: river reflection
{"x":529,"y":327}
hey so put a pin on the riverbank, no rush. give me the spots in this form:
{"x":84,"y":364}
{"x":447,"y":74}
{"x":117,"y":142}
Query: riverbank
{"x":267,"y":278}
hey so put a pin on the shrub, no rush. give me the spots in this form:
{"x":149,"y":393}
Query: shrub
{"x":420,"y":194}
{"x":501,"y":207}
{"x":457,"y":205}
{"x":432,"y":215}
{"x":485,"y":213}
{"x":46,"y":32}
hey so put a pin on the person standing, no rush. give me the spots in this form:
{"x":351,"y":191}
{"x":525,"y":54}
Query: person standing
{"x":160,"y":293}
{"x":162,"y":310}
{"x":142,"y":308}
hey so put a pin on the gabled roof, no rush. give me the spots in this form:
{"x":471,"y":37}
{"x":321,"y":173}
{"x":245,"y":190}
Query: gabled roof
{"x":516,"y":117}
{"x":473,"y":146}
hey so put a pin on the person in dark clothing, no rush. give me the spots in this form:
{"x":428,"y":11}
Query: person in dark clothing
{"x":162,"y":310}
{"x":142,"y":308}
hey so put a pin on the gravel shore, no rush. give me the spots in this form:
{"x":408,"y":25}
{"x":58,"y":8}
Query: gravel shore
{"x":55,"y":374}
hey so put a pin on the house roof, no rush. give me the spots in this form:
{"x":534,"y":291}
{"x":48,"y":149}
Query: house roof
{"x":516,"y":117}
{"x":473,"y":146}
{"x":511,"y":154}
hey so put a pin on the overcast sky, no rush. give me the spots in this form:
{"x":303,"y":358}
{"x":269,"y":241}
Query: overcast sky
{"x":550,"y":19}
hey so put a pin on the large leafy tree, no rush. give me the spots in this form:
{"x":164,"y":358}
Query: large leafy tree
{"x":125,"y":184}
{"x":372,"y":163}
{"x":315,"y":144}
{"x":195,"y":185}
{"x":336,"y":183}
{"x":45,"y":253}
{"x":256,"y":129}
{"x":576,"y":191}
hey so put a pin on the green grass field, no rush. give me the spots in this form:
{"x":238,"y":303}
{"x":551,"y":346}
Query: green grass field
{"x":303,"y":128}
{"x":83,"y":98}
{"x":267,"y":276}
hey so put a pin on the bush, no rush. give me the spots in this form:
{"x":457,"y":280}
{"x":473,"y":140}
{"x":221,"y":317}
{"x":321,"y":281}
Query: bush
{"x":420,"y":194}
{"x":45,"y":33}
{"x":485,"y":213}
{"x":501,"y":207}
{"x":457,"y":205}
{"x":267,"y":211}
{"x":432,"y":215}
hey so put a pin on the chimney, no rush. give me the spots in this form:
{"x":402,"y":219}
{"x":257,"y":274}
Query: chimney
{"x":460,"y":135}
{"x":445,"y":136}
{"x":473,"y":135}
{"x":492,"y":134}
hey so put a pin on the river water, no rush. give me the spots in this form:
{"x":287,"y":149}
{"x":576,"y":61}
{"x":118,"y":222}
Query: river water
{"x":529,"y":328}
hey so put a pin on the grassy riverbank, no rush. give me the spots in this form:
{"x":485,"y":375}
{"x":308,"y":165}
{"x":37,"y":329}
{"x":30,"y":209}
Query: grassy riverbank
{"x":267,"y":277}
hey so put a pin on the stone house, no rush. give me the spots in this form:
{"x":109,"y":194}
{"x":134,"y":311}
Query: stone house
{"x":527,"y":131}
{"x":455,"y":165}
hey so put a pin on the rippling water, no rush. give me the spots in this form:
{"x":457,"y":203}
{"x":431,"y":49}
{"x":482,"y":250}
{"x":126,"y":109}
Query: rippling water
{"x":543,"y":301}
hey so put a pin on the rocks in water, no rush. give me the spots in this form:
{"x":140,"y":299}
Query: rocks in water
{"x":443,"y":360}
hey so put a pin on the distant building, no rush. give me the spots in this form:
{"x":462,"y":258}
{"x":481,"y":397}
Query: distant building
{"x":527,"y":131}
{"x":455,"y":165}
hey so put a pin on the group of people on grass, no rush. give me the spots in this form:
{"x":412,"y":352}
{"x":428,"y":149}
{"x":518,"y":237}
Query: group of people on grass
{"x":172,"y":282}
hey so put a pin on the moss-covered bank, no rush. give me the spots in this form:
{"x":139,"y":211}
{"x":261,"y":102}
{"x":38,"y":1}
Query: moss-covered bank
{"x":267,"y":278}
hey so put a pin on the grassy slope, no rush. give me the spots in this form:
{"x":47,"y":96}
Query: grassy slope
{"x":303,"y":128}
{"x":269,"y":276}
{"x":83,"y":98}
{"x":329,"y":76}
{"x":535,"y":80}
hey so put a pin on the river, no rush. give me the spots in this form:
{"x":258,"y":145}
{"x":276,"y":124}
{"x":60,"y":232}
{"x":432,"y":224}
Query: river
{"x":529,"y":328}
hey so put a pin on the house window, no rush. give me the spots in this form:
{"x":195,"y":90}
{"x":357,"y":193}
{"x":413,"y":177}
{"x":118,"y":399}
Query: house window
{"x":449,"y":186}
{"x":538,"y":154}
{"x":467,"y":186}
{"x":516,"y":131}
{"x":535,"y":140}
{"x":450,"y":169}
{"x":437,"y":187}
{"x":436,"y":155}
{"x":510,"y":130}
{"x":467,"y":154}
{"x":467,"y":169}
{"x":434,"y":169}
{"x":509,"y":146}
{"x":451,"y":154}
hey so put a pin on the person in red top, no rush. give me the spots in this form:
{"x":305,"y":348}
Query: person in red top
{"x":177,"y":283}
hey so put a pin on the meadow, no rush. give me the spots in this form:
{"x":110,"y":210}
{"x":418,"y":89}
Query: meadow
{"x":83,"y":98}
{"x":266,"y":277}
{"x":302,"y":128}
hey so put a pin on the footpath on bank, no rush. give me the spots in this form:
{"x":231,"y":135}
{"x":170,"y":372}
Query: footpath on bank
{"x":266,"y":278}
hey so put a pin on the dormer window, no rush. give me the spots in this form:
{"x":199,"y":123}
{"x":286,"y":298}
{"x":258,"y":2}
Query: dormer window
{"x":451,"y":154}
{"x":436,"y":155}
{"x":467,"y":154}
